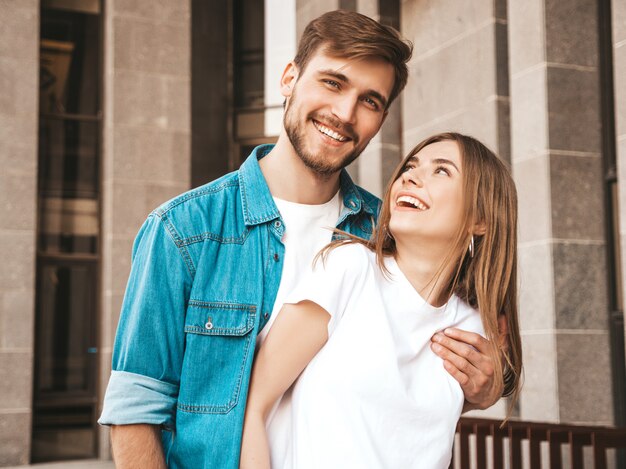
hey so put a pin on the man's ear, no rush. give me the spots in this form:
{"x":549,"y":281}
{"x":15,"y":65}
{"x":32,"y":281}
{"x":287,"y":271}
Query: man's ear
{"x":288,"y":79}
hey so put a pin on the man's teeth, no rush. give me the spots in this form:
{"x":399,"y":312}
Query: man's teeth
{"x":331,"y":133}
{"x":411,"y":201}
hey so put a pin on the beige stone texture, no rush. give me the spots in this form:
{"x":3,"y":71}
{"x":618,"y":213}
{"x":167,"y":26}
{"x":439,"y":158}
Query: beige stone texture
{"x":527,"y":41}
{"x":451,"y":79}
{"x":17,"y":195}
{"x":307,"y":10}
{"x":536,"y":288}
{"x":16,"y":382}
{"x":532,"y":178}
{"x":16,"y":327}
{"x":17,"y":251}
{"x":539,"y":400}
{"x":14,"y":438}
{"x":584,"y":374}
{"x":576,"y":187}
{"x":434,"y":24}
{"x":619,"y":77}
{"x":618,"y":11}
{"x":529,"y":116}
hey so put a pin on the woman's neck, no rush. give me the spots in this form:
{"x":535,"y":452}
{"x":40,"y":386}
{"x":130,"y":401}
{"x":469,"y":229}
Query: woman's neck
{"x":427,"y":268}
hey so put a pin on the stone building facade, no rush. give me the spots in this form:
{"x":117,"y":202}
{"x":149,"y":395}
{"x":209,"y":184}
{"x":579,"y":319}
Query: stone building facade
{"x":183,"y":89}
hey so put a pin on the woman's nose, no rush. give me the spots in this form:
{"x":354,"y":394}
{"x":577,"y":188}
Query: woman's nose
{"x":412,"y":177}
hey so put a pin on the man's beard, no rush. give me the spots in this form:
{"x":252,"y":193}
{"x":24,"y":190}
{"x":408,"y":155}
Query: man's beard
{"x":321,"y":166}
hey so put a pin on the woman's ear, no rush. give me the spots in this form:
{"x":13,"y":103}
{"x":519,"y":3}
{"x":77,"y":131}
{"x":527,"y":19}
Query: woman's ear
{"x":479,"y":229}
{"x":288,"y":79}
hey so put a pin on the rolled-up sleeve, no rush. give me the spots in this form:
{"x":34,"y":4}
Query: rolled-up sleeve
{"x":132,"y":398}
{"x":149,"y":343}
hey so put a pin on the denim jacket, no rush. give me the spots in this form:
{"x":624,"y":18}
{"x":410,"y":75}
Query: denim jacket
{"x":205,"y":271}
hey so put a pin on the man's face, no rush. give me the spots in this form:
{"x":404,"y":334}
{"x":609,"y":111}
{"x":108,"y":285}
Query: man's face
{"x":334,"y":107}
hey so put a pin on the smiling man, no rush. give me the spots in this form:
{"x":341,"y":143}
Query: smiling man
{"x":211,"y":267}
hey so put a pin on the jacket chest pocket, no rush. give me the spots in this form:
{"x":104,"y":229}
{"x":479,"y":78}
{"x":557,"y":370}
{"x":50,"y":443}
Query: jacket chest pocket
{"x":219,"y":344}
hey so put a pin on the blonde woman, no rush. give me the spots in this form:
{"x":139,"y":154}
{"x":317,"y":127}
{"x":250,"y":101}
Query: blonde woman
{"x":346,"y":377}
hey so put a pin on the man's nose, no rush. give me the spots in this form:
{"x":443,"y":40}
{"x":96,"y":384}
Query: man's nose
{"x":344,"y":108}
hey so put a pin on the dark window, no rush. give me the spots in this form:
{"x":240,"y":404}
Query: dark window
{"x":68,"y":235}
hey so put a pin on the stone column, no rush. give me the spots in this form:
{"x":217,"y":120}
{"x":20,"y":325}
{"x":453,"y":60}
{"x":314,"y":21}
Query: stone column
{"x":280,"y":49}
{"x":619,"y":70}
{"x":458,"y":76}
{"x":557,"y":164}
{"x":147,"y":134}
{"x":19,"y":71}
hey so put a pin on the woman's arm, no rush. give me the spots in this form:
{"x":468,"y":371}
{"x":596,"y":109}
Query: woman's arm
{"x":298,"y":333}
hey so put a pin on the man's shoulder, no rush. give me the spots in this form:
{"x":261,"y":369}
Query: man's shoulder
{"x":202,"y":196}
{"x":196,"y":211}
{"x":369,"y":199}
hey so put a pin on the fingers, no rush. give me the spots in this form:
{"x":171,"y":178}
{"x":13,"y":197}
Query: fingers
{"x":467,"y":360}
{"x":471,"y":338}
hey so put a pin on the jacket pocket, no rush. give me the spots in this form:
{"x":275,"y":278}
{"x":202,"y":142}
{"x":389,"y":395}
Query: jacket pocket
{"x":218,"y":346}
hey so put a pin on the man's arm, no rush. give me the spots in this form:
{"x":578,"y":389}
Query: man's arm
{"x":142,"y":393}
{"x":137,"y":446}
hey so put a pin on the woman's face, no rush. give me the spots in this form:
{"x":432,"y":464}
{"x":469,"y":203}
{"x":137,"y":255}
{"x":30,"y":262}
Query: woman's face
{"x":427,"y":199}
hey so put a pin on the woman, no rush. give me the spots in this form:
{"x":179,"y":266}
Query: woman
{"x":356,"y":332}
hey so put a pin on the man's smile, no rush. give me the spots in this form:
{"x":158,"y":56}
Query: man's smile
{"x":329,"y":132}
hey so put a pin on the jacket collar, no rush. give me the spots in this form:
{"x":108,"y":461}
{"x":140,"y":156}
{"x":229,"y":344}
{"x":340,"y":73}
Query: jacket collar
{"x":258,"y":204}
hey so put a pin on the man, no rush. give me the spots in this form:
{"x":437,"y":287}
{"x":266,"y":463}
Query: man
{"x":211,"y":266}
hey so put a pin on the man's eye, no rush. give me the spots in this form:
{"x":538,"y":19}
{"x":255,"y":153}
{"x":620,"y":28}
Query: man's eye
{"x":332,"y":83}
{"x":372,"y":103}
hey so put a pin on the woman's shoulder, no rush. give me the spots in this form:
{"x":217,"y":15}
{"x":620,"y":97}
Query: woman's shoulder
{"x":351,"y":253}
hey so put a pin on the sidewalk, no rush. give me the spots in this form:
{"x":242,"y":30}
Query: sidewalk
{"x":84,"y":464}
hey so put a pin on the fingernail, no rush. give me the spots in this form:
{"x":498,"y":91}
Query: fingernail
{"x":437,"y":337}
{"x":436,"y":347}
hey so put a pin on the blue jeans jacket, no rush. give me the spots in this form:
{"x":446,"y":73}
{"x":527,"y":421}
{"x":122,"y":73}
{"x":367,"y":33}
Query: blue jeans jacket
{"x":205,"y":272}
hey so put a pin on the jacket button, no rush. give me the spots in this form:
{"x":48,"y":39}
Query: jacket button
{"x":209,"y":324}
{"x":266,"y":315}
{"x":276,"y":257}
{"x":277,"y":224}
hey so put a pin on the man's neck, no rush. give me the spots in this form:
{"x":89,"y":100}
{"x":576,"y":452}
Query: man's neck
{"x":288,"y":178}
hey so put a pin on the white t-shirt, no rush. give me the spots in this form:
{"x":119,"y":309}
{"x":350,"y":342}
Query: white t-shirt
{"x":375,"y":396}
{"x":308,"y":228}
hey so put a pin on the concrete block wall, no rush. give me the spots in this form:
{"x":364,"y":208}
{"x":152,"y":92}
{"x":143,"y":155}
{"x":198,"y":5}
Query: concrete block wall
{"x":458,"y":76}
{"x":557,"y":164}
{"x":147,"y":134}
{"x":19,"y":84}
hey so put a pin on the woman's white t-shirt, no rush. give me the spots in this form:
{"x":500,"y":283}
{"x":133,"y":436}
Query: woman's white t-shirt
{"x":375,"y":396}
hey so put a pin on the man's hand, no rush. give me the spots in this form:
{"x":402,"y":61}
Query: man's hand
{"x":137,"y":446}
{"x":466,"y":357}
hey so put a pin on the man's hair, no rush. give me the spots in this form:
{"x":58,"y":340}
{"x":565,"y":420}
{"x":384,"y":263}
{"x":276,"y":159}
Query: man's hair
{"x":347,"y":34}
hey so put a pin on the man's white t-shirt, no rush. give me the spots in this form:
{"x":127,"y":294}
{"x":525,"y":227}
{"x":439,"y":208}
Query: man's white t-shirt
{"x":308,"y":228}
{"x":375,"y":396}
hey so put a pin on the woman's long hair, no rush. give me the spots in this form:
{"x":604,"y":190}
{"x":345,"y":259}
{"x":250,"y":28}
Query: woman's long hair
{"x":487,"y":280}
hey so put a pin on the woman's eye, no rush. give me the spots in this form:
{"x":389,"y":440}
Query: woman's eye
{"x":442,"y":170}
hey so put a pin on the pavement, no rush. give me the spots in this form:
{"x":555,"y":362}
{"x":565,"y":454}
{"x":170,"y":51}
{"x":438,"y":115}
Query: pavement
{"x":83,"y":464}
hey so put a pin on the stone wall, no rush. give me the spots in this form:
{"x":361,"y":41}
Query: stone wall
{"x":19,"y":72}
{"x":557,"y":164}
